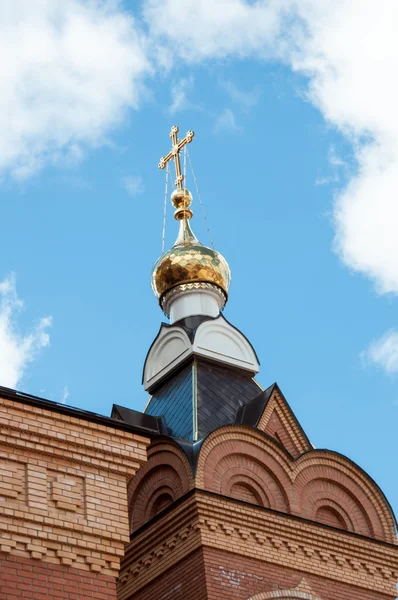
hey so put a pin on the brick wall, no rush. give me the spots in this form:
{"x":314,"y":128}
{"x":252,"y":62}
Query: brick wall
{"x":23,"y":578}
{"x":63,"y":501}
{"x":235,"y":577}
{"x":184,"y":581}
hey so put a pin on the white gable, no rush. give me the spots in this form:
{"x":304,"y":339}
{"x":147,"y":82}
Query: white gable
{"x":218,"y":340}
{"x":169,"y":349}
{"x":215,"y":339}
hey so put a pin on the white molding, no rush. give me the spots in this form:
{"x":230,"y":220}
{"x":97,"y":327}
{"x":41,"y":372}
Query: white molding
{"x":214,"y":339}
{"x":171,"y":347}
{"x":218,"y":340}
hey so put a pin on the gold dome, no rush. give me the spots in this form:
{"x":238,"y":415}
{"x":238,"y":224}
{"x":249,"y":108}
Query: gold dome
{"x":189,"y":262}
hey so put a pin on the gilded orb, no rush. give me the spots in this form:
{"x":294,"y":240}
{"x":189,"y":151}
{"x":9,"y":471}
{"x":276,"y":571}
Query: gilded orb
{"x":181,"y":200}
{"x":189,"y":262}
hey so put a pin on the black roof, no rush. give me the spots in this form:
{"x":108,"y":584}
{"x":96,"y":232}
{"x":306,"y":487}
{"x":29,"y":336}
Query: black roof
{"x":250,"y":413}
{"x":203,"y":395}
{"x":173,"y":405}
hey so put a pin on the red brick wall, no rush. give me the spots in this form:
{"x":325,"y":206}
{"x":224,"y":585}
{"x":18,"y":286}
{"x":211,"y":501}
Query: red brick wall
{"x":184,"y":581}
{"x":24,"y":578}
{"x":231,"y":577}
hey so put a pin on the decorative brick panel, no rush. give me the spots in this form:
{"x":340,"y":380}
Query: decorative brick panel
{"x":63,"y":488}
{"x":12,"y":481}
{"x":66,"y":492}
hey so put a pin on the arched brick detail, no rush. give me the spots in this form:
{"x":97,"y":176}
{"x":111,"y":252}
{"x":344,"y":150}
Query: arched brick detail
{"x":160,"y":479}
{"x":319,"y":482}
{"x":166,"y":474}
{"x":244,"y":487}
{"x":331,"y":514}
{"x":160,"y":499}
{"x":252,"y":471}
{"x":302,"y":592}
{"x":328,"y":493}
{"x":233,"y":455}
{"x":330,"y":479}
{"x":284,"y":595}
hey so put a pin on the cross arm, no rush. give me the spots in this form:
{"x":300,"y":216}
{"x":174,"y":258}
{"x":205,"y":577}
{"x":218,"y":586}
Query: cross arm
{"x":174,"y":152}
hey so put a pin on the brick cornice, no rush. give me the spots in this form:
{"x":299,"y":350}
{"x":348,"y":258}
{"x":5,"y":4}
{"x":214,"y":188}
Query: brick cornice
{"x":247,"y":530}
{"x":75,"y":440}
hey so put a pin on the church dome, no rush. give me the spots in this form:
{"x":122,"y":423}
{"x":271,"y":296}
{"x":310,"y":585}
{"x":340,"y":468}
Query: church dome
{"x":189,"y":262}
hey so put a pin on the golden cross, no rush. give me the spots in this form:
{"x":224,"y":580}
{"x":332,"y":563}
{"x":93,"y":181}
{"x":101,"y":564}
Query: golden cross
{"x":175,"y":153}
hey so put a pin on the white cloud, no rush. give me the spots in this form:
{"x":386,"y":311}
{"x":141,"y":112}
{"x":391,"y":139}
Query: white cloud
{"x":17,"y":350}
{"x":326,"y":180}
{"x":336,"y":164}
{"x":134,"y":184}
{"x":383,"y":352}
{"x":179,"y":95}
{"x":349,"y":52}
{"x":197,"y":30}
{"x":247,"y":99}
{"x":69,"y":71}
{"x":226,"y":122}
{"x":350,"y":56}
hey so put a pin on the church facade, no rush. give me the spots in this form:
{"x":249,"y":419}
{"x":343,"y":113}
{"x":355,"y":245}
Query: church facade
{"x":213,"y":492}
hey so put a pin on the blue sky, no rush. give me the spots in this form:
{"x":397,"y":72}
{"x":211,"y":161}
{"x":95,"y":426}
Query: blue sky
{"x":296,"y":157}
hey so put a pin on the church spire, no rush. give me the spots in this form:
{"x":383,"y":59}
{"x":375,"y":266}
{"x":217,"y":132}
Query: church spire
{"x":190,"y":278}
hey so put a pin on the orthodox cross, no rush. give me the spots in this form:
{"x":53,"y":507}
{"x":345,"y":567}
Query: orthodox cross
{"x":176,"y":148}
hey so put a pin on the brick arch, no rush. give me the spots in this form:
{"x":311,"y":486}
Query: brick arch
{"x":284,"y":595}
{"x":327,"y":478}
{"x":328,"y":493}
{"x":345,"y":496}
{"x":166,"y":474}
{"x":244,"y":487}
{"x":160,"y":499}
{"x":234,"y":455}
{"x":330,"y":513}
{"x":244,"y":469}
{"x":302,"y":592}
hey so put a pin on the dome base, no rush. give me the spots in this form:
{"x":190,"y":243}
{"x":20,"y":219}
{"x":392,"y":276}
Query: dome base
{"x":187,"y":300}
